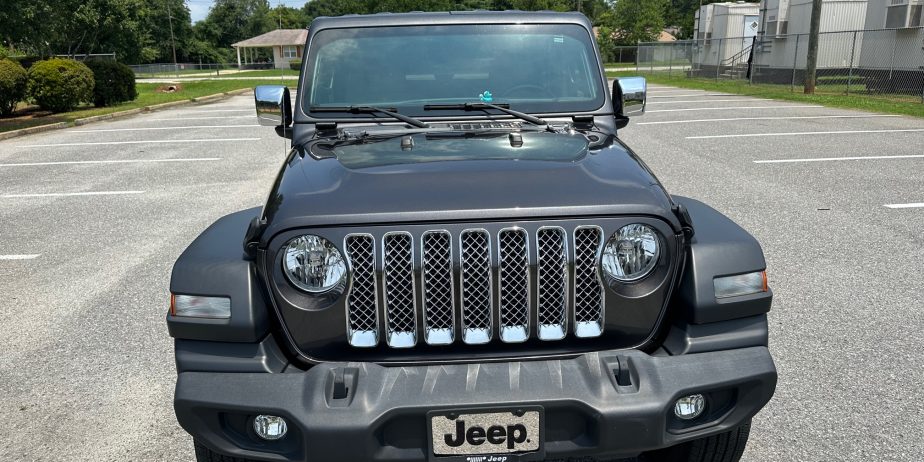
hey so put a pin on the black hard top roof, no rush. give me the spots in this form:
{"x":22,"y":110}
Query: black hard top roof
{"x":451,"y":17}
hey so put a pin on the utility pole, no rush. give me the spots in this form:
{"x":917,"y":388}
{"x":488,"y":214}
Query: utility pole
{"x":172,"y":39}
{"x":811,"y":59}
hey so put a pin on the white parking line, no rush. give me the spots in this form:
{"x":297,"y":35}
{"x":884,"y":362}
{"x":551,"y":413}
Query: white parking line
{"x":660,"y":90}
{"x":689,"y":94}
{"x":19,"y":257}
{"x":90,"y":193}
{"x":834,"y":159}
{"x":204,"y":117}
{"x":712,"y":101}
{"x":768,"y":118}
{"x":124,"y":161}
{"x":100,"y":143}
{"x":219,"y":110}
{"x":838,"y":132}
{"x":139,"y":129}
{"x":905,"y":206}
{"x":728,"y":108}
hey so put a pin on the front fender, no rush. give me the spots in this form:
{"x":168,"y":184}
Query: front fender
{"x":719,"y":248}
{"x":215,"y":264}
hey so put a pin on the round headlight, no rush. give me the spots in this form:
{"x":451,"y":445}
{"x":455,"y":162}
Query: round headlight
{"x":631,"y":253}
{"x":313,"y":263}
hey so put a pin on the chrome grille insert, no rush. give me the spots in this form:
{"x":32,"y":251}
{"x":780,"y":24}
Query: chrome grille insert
{"x":456,"y":298}
{"x":398,"y":279}
{"x":438,"y":293}
{"x":475,"y":282}
{"x":362,"y":309}
{"x":552,"y":282}
{"x":513,"y":284}
{"x":588,"y":290}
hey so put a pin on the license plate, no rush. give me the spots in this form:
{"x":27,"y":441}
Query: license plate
{"x":484,"y":433}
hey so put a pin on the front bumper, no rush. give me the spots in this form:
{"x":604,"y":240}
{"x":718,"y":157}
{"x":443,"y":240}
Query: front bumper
{"x":605,"y":404}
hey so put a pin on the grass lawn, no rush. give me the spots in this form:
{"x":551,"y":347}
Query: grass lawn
{"x":619,"y":65}
{"x":211,"y":73}
{"x":148,"y":94}
{"x":261,"y":73}
{"x":826,"y":96}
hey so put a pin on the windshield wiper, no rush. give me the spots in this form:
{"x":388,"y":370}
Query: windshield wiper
{"x":482,"y":106}
{"x":370,"y":110}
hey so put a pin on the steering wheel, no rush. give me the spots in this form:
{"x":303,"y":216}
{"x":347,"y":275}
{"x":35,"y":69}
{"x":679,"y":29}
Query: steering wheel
{"x":512,"y":91}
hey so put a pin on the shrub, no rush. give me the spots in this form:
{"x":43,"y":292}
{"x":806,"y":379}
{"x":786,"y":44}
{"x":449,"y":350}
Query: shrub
{"x":114,"y":82}
{"x":295,"y":64}
{"x":12,"y":85}
{"x":59,"y":85}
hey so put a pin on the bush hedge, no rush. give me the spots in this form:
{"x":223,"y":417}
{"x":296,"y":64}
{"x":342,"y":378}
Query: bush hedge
{"x":12,"y":85}
{"x":59,"y":85}
{"x":295,"y":64}
{"x":114,"y":82}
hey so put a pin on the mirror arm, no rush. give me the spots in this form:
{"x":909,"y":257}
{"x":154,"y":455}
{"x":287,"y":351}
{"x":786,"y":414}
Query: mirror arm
{"x":284,"y":131}
{"x":621,"y":121}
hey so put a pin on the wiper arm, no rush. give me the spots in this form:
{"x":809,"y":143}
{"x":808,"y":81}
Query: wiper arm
{"x":370,"y":110}
{"x":482,"y":106}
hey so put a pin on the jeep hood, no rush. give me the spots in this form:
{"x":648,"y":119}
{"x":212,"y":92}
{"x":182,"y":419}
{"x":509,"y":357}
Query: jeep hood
{"x":458,"y":178}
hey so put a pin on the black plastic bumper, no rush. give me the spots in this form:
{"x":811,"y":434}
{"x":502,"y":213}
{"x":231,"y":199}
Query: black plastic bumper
{"x":607,"y":404}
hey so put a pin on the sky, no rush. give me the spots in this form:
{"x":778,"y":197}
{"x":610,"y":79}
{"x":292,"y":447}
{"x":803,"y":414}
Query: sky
{"x":199,"y":9}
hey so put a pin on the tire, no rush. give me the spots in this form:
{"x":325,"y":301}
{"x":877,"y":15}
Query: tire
{"x":724,"y":447}
{"x":204,"y":454}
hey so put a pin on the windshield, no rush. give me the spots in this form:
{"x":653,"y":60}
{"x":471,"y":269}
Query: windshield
{"x":535,"y":68}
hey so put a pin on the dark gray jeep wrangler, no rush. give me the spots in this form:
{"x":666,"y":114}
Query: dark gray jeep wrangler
{"x":460,"y":261}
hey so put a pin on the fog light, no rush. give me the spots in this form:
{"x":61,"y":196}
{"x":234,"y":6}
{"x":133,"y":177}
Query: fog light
{"x":270,"y":427}
{"x":689,"y":407}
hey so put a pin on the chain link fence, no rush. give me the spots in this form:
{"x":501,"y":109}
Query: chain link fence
{"x":621,"y":57}
{"x":870,"y":62}
{"x":167,"y":70}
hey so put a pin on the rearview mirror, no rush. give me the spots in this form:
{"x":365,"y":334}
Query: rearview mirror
{"x":274,"y":106}
{"x":630,"y":95}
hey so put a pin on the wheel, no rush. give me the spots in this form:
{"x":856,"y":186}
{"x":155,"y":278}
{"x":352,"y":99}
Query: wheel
{"x":204,"y":454}
{"x":724,"y":447}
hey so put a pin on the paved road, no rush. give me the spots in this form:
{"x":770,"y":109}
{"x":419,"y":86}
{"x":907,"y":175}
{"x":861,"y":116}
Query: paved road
{"x":87,"y":374}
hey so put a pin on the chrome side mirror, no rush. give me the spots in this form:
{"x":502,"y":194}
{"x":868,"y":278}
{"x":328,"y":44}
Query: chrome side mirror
{"x":274,"y":106}
{"x":630,"y":95}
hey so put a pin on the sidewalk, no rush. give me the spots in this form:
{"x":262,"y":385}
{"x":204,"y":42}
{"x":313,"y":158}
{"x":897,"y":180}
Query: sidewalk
{"x":199,"y":79}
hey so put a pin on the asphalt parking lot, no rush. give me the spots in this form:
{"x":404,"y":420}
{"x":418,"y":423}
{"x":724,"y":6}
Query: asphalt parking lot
{"x":92,"y":218}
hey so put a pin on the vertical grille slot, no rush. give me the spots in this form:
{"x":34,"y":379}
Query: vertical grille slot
{"x":475,"y":282}
{"x":588,"y":290}
{"x":362,"y":311}
{"x":438,"y":293}
{"x":552,"y":283}
{"x":398,"y":279}
{"x":513,"y":284}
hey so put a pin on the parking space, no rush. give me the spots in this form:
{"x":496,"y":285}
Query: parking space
{"x":92,"y":218}
{"x":835,"y":198}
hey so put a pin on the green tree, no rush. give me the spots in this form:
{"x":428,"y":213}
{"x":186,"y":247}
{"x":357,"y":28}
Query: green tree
{"x":230,"y":21}
{"x":290,"y":18}
{"x":634,"y":21}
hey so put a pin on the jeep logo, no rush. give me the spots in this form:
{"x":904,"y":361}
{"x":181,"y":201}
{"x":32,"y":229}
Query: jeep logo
{"x":495,"y":434}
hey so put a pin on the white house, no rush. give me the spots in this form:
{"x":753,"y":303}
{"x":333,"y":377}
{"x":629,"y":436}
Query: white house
{"x":287,"y":44}
{"x":723,"y":30}
{"x":901,"y":46}
{"x":785,"y":26}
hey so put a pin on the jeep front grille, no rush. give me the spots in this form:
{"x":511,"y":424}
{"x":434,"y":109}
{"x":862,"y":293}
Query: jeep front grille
{"x":458,"y":297}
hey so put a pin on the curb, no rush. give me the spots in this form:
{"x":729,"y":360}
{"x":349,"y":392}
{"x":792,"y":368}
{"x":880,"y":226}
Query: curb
{"x":120,"y":114}
{"x":31,"y":130}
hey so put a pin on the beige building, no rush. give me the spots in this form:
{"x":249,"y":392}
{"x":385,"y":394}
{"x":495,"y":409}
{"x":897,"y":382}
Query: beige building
{"x":287,"y":44}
